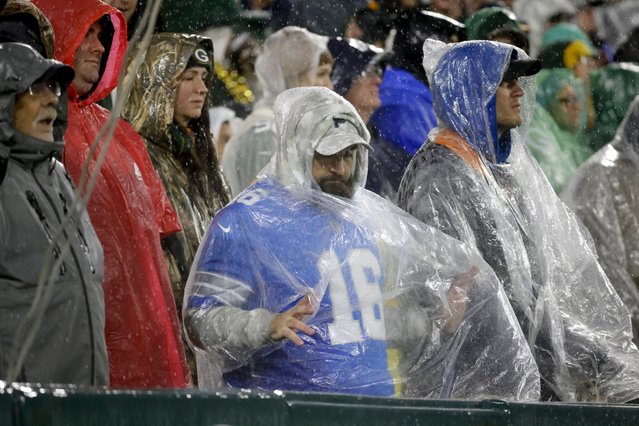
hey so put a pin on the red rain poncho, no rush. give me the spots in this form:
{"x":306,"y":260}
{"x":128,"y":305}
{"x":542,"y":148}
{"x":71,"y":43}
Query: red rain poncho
{"x":130,"y":212}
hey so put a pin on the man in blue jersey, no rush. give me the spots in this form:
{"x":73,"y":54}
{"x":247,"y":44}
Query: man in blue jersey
{"x":308,"y":282}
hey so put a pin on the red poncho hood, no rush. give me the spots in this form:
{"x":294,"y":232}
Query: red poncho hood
{"x":71,"y":21}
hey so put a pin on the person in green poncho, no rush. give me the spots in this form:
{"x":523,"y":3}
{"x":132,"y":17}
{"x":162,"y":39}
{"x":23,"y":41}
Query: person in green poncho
{"x":613,"y":89}
{"x":555,"y":136}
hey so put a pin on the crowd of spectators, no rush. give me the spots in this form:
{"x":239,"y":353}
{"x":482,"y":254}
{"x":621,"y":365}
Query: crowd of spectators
{"x":432,"y":199}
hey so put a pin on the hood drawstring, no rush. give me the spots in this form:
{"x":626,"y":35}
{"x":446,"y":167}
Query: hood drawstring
{"x":52,"y":163}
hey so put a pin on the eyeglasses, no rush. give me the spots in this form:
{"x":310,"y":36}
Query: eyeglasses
{"x":40,"y":86}
{"x":374,"y":70}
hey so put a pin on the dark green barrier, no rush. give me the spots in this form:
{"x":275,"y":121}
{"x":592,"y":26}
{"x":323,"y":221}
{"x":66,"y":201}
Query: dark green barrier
{"x":6,"y":407}
{"x":574,"y":414}
{"x":105,"y":408}
{"x":309,"y":409}
{"x":25,"y":405}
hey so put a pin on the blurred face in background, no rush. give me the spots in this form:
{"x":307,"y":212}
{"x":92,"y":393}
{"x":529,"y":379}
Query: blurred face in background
{"x":407,"y":4}
{"x":322,"y":75}
{"x":585,"y":19}
{"x":451,"y":8}
{"x":582,"y":68}
{"x":566,"y":110}
{"x":364,"y":93}
{"x":353,"y":30}
{"x":127,"y":7}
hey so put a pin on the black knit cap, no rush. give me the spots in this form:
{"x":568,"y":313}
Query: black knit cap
{"x":413,"y":27}
{"x":351,"y":58}
{"x":200,"y":58}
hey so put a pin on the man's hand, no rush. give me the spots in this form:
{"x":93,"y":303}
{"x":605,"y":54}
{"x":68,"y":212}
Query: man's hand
{"x":457,"y":296}
{"x":284,"y":325}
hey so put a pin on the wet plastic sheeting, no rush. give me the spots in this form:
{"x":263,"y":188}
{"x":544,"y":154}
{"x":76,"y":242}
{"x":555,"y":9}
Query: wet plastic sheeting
{"x":603,"y":194}
{"x":287,"y":56}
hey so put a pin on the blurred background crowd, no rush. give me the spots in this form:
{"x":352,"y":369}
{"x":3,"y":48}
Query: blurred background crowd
{"x":589,"y":49}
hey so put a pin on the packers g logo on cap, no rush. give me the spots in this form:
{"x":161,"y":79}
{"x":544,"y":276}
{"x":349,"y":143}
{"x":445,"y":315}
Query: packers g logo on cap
{"x":201,"y":55}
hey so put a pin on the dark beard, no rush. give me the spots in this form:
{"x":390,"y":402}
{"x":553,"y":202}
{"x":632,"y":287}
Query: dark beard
{"x":337,"y":187}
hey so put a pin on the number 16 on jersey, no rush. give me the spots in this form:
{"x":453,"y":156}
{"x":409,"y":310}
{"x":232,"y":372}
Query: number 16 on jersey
{"x":366,"y":278}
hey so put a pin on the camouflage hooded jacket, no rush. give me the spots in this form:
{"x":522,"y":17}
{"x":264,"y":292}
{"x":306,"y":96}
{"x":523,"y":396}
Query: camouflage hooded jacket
{"x":197,"y":192}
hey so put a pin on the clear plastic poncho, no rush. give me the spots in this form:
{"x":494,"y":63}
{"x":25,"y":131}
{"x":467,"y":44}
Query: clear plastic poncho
{"x":398,"y":308}
{"x":288,"y":56}
{"x":604,"y":193}
{"x":491,"y":193}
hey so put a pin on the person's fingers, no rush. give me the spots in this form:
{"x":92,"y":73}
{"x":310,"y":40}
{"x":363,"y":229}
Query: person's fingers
{"x":300,"y":326}
{"x":302,"y":311}
{"x":284,"y":324}
{"x":457,"y":296}
{"x":306,"y":302}
{"x":302,"y":308}
{"x":465,"y":280}
{"x":458,"y":292}
{"x":293,"y":337}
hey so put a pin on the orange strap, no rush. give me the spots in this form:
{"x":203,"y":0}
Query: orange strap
{"x":459,"y":146}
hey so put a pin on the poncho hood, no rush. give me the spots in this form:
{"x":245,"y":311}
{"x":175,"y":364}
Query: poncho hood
{"x":292,"y":163}
{"x":628,"y":132}
{"x":22,"y":66}
{"x":286,"y":56}
{"x":465,"y":77}
{"x":70,"y":25}
{"x":151,"y":104}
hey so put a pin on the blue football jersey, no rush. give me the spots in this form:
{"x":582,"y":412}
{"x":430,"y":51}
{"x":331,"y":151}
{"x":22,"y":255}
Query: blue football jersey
{"x":270,"y":249}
